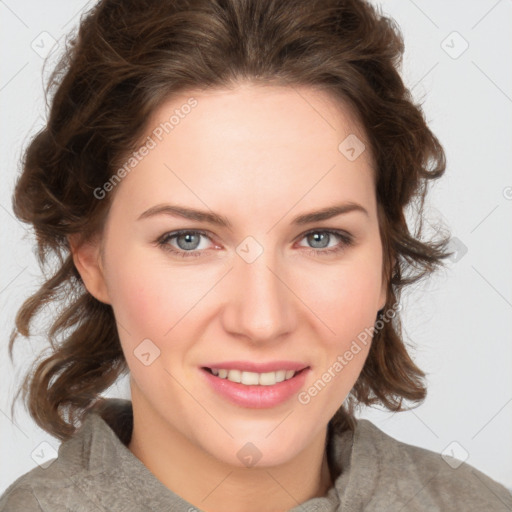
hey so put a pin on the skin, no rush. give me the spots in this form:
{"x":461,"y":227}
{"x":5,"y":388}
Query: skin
{"x":260,"y":156}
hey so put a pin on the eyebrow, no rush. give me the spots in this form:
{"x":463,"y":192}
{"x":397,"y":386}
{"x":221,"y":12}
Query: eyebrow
{"x":219,"y":220}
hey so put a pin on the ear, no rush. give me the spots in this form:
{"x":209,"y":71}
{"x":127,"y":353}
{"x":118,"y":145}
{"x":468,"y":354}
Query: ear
{"x":87,"y":260}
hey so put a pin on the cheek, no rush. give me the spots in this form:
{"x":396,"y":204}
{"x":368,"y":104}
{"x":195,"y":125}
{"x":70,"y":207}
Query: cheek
{"x":135,"y":299}
{"x":144,"y":299}
{"x":148,"y":306}
{"x":153,"y":300}
{"x":347,"y":305}
{"x":345,"y":297}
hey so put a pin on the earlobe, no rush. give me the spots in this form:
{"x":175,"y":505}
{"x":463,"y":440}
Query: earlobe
{"x":87,"y":259}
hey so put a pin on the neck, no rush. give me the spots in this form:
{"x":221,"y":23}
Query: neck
{"x":214,"y":486}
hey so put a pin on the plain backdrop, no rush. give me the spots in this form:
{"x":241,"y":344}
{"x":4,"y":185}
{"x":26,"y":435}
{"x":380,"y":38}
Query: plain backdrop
{"x":458,"y":324}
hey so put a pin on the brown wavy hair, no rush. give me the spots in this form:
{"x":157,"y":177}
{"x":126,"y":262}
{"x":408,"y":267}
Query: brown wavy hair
{"x":130,"y":56}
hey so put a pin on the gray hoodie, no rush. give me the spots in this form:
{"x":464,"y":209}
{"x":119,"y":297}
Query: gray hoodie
{"x":95,"y":471}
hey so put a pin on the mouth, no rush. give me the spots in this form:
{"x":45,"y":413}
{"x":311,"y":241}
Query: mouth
{"x":255,"y":379}
{"x":255,"y":390}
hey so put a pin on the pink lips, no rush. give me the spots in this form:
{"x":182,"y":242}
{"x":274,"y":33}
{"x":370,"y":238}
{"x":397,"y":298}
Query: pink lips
{"x":256,"y":396}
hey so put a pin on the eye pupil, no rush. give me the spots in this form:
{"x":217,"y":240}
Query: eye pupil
{"x":188,"y":243}
{"x":317,"y":237}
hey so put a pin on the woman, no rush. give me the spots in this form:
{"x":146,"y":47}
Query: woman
{"x":224,"y":184}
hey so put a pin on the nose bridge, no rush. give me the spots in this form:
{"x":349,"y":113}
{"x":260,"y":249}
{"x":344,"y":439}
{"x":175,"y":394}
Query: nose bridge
{"x":261,"y":300}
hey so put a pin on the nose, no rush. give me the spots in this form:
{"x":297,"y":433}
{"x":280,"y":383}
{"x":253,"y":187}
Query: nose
{"x":260,"y":304}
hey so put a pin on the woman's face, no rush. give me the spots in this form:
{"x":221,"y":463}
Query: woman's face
{"x":258,"y":287}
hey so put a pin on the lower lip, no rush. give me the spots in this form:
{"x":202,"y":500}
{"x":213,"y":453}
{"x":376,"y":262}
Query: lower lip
{"x":257,"y":397}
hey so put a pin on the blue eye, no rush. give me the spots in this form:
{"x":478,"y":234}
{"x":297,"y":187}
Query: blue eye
{"x":188,"y":241}
{"x":188,"y":246}
{"x":324,"y":239}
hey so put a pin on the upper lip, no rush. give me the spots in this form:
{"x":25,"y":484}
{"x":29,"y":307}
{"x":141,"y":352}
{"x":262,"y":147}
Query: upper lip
{"x":249,"y":366}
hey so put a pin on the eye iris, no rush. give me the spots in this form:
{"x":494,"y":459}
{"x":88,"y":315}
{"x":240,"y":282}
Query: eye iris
{"x":319,"y":237}
{"x":188,"y":236}
{"x":315,"y":237}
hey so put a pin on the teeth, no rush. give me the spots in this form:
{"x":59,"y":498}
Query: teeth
{"x":254,"y":379}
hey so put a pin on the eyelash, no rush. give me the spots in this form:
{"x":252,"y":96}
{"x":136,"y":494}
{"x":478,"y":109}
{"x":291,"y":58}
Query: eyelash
{"x":346,"y":241}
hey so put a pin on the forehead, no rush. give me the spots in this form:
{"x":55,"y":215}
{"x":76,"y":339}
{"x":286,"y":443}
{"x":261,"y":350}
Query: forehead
{"x":252,"y":144}
{"x":253,"y":114}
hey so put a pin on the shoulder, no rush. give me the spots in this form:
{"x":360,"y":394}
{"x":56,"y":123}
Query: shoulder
{"x":94,"y":470}
{"x":19,"y":498}
{"x":59,"y":483}
{"x":424,"y":476}
{"x":40,"y":487}
{"x":22,"y":494}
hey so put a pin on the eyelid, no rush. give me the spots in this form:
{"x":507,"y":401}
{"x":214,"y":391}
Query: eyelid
{"x":334,"y":231}
{"x":347,"y":239}
{"x":174,"y":234}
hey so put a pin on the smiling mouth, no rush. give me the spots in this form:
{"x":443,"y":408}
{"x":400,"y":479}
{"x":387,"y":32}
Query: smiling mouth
{"x":255,"y":379}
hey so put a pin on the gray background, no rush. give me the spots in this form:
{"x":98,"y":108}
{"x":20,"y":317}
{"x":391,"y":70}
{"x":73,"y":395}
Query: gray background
{"x":459,"y":323}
